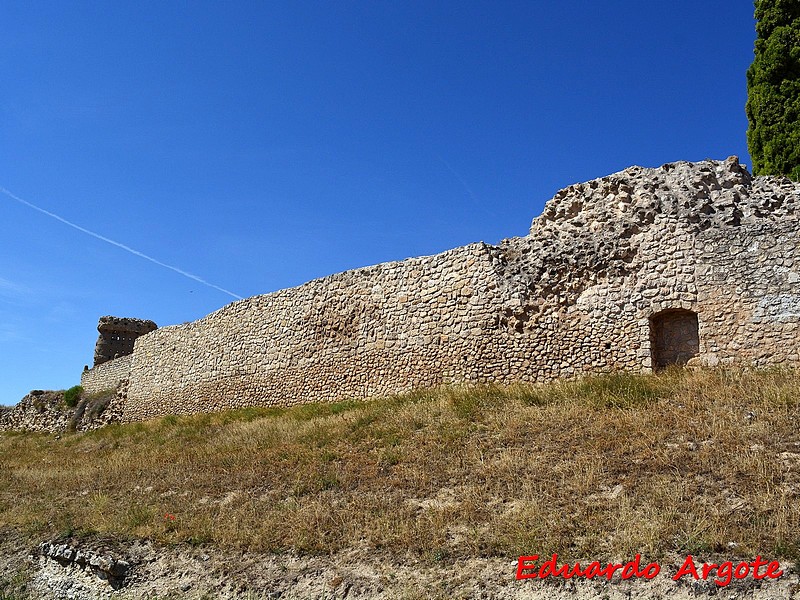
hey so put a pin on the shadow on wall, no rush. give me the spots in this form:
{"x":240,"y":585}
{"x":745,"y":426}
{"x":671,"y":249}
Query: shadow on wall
{"x":674,"y":337}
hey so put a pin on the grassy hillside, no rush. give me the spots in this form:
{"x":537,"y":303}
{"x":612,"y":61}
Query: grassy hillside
{"x":607,"y":467}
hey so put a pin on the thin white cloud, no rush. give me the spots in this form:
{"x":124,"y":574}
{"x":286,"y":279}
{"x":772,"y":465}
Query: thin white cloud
{"x":466,"y":185}
{"x":9,"y":288}
{"x":10,"y":328}
{"x":117,"y":244}
{"x":9,"y":334}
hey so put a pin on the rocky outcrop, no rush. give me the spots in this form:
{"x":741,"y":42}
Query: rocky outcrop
{"x":47,"y":412}
{"x":101,"y":562}
{"x":40,"y":410}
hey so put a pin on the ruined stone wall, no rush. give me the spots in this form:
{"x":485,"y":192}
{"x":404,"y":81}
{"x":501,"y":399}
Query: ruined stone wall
{"x":603,"y":268}
{"x":107,"y":375}
{"x":374,"y":331}
{"x":46,"y":411}
{"x":750,"y":295}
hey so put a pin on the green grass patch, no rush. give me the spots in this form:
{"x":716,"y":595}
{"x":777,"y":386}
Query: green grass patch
{"x":73,"y":395}
{"x":615,"y":390}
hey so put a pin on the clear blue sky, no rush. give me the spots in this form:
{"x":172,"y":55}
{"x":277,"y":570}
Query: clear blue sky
{"x":258,"y":145}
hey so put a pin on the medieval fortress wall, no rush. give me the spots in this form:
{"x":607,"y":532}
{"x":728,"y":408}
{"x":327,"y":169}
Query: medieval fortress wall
{"x":107,"y":375}
{"x":690,"y":262}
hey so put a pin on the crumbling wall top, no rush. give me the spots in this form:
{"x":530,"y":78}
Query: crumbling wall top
{"x":109,"y":324}
{"x":701,"y":195}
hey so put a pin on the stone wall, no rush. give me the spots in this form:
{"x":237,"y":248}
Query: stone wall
{"x":603,"y":268}
{"x":750,"y":294}
{"x":374,"y":331}
{"x":107,"y":375}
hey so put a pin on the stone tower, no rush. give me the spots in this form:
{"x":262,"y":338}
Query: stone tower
{"x":117,"y":336}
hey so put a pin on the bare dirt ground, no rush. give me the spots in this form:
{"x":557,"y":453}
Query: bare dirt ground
{"x":199,"y":573}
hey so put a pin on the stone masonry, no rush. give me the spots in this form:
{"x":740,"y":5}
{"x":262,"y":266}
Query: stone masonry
{"x":692,"y":263}
{"x":107,"y":375}
{"x":117,"y":337}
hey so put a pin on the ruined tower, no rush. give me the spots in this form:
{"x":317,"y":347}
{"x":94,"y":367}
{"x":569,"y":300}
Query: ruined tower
{"x":117,"y":336}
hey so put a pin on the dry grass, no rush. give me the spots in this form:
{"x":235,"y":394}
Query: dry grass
{"x":606,"y":467}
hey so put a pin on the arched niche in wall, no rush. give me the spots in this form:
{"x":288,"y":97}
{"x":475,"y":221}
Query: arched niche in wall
{"x":674,"y":337}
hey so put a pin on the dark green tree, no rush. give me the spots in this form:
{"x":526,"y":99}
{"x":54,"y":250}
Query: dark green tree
{"x":773,"y":90}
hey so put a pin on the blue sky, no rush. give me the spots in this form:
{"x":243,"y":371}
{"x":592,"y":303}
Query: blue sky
{"x":258,"y":145}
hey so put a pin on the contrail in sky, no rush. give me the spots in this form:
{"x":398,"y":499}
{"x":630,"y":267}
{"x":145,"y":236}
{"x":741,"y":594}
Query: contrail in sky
{"x":118,"y":245}
{"x":464,"y":183}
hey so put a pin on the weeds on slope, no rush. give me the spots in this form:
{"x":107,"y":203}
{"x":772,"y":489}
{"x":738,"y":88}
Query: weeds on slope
{"x":603,"y":467}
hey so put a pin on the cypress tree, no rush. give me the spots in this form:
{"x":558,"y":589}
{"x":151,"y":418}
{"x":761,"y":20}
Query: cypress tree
{"x":773,"y":89}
